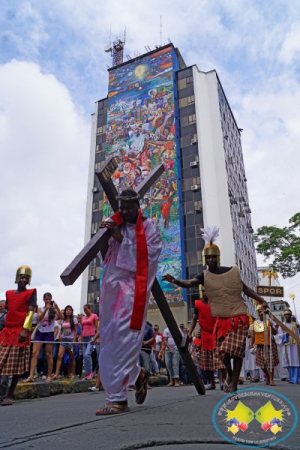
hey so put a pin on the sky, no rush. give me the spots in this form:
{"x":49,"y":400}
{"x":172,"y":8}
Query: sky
{"x":53,"y":69}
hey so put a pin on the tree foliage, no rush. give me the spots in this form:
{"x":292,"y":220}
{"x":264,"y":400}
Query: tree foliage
{"x":281,"y":244}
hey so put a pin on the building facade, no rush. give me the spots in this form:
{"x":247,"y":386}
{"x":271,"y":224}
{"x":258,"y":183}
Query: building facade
{"x":159,"y":110}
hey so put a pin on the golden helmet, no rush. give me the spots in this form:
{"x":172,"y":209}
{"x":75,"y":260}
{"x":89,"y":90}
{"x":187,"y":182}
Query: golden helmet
{"x":287,"y":311}
{"x":211,"y":250}
{"x":23,"y":270}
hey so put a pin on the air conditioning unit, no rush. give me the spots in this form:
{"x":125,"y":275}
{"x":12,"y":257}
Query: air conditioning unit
{"x":198,"y":209}
{"x":194,"y":164}
{"x":92,"y":278}
{"x":195,"y":187}
{"x":97,"y":299}
{"x":95,"y":189}
{"x":193,"y":141}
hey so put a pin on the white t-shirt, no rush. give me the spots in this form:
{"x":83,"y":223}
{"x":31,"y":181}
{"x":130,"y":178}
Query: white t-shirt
{"x":170,"y":340}
{"x":46,"y":326}
{"x":158,"y":340}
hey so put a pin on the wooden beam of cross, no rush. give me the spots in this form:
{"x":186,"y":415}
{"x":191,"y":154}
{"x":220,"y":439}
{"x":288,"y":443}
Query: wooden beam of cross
{"x":99,"y":243}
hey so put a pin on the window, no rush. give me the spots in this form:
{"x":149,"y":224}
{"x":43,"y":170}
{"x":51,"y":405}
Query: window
{"x":189,"y":80}
{"x":182,"y":84}
{"x":192,"y":118}
{"x":191,"y":99}
{"x":183,"y":102}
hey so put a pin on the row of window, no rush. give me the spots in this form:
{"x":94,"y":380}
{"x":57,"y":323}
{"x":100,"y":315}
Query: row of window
{"x":101,"y":130}
{"x":186,"y":101}
{"x":182,"y":84}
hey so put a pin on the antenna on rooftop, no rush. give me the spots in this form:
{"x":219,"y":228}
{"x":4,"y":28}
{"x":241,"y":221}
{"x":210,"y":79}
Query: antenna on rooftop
{"x":116,"y":50}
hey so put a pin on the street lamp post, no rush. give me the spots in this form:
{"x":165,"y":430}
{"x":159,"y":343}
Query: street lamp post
{"x":293,"y":296}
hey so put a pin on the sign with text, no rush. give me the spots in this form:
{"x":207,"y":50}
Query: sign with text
{"x":270,"y":291}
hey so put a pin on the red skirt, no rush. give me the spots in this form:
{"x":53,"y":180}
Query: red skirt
{"x":9,"y":336}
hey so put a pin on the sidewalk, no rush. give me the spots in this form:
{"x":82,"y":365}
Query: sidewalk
{"x":40,"y":388}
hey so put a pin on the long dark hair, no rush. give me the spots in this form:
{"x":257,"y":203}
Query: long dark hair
{"x":51,"y":312}
{"x":71,"y":317}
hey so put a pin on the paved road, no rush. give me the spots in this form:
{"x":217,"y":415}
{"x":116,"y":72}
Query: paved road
{"x":170,"y":419}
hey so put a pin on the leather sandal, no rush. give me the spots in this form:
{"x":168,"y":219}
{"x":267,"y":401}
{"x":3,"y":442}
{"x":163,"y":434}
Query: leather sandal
{"x":112,"y":408}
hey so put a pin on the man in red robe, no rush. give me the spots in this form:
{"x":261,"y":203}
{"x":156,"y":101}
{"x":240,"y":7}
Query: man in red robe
{"x":15,"y":337}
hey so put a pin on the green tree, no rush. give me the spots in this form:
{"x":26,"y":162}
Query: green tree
{"x":281,"y":244}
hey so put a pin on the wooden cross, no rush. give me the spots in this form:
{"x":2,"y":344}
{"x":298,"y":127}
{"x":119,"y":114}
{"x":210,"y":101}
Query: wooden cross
{"x":100,"y":243}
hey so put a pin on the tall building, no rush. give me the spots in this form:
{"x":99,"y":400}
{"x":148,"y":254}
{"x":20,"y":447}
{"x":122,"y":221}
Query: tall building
{"x":159,"y":110}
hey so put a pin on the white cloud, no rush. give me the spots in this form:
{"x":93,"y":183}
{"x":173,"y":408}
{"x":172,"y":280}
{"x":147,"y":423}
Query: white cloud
{"x":45,"y":148}
{"x":25,"y":29}
{"x":291,"y":46}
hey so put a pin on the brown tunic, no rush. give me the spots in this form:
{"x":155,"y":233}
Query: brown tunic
{"x":224,"y":293}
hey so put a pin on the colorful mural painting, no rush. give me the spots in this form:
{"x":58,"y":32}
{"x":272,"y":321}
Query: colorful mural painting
{"x":141,"y":133}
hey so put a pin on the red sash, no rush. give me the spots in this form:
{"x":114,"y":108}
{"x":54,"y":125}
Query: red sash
{"x":225,"y":325}
{"x":141,"y":277}
{"x":17,"y":303}
{"x":207,"y":323}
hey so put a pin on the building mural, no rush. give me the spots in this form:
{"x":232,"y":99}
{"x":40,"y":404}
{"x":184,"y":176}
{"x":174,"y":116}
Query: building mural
{"x":141,"y":133}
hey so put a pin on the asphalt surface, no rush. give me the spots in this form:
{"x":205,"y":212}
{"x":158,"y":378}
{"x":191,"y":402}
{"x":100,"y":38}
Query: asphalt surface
{"x":170,"y":419}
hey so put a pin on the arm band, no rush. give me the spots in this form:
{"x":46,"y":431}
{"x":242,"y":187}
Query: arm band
{"x":28,"y":321}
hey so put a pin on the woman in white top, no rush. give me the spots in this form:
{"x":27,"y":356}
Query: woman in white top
{"x":45,"y":333}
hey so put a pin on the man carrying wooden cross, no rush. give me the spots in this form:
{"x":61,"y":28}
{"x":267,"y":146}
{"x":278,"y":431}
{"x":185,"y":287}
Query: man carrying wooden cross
{"x":130,"y":267}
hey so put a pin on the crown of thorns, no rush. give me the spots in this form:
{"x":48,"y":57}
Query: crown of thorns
{"x":127,"y":198}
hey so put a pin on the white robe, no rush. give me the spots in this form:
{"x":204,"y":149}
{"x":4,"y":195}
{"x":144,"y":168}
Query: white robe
{"x":290,"y":353}
{"x":120,"y":345}
{"x":249,"y":358}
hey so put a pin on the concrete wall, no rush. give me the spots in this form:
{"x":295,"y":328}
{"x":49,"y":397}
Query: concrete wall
{"x":213,"y":174}
{"x":180,"y":314}
{"x":89,"y":206}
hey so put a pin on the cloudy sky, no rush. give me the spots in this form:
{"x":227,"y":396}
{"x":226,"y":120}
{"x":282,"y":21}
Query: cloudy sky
{"x":53,"y":69}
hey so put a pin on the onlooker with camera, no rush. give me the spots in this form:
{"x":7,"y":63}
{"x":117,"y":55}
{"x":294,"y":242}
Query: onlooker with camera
{"x":44,"y":334}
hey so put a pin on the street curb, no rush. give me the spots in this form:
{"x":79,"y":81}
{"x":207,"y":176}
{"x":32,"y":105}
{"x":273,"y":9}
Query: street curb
{"x":42,"y":389}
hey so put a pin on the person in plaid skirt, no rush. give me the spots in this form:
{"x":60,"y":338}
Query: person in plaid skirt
{"x":15,"y":337}
{"x":207,"y":360}
{"x":266,"y":348}
{"x":224,"y":287}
